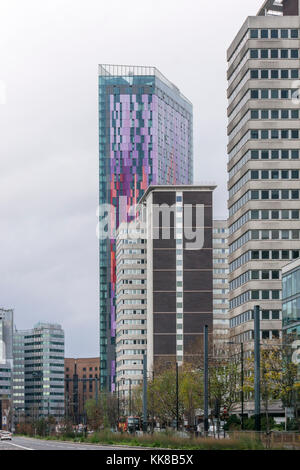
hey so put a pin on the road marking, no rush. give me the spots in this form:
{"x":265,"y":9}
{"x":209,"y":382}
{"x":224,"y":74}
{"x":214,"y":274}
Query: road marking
{"x":21,"y":447}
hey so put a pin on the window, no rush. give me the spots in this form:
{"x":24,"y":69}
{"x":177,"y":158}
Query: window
{"x":254,"y":54}
{"x":264,"y":33}
{"x":294,"y":53}
{"x":265,"y":315}
{"x":275,"y":53}
{"x":254,"y":33}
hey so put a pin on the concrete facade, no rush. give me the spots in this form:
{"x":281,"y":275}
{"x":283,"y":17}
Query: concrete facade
{"x":220,"y":280}
{"x":131,"y":310}
{"x":264,"y":165}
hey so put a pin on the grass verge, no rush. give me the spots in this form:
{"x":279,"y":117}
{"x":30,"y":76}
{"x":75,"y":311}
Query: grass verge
{"x":165,"y":441}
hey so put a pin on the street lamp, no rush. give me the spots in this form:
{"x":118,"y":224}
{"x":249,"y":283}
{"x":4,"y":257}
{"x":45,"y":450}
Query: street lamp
{"x":130,"y":407}
{"x":177,"y":399}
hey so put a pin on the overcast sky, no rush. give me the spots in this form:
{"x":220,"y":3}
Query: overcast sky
{"x":49,"y":51}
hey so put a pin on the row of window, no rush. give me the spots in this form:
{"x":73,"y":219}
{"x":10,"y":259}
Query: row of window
{"x":275,"y":194}
{"x":254,"y":295}
{"x":133,"y":341}
{"x":273,"y":93}
{"x":267,"y":114}
{"x":264,"y":155}
{"x":263,"y":175}
{"x":132,"y":322}
{"x":130,"y":362}
{"x":257,"y":275}
{"x":264,"y":235}
{"x":132,"y":312}
{"x":263,"y":134}
{"x":130,"y":352}
{"x":263,"y":255}
{"x":249,"y":316}
{"x":132,"y":302}
{"x":274,"y":74}
{"x":274,"y":53}
{"x":131,"y":332}
{"x":264,"y":215}
{"x":132,"y":292}
{"x":131,"y":271}
{"x":274,"y":33}
{"x":264,"y":114}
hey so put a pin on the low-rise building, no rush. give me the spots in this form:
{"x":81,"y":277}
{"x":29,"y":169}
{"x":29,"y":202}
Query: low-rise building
{"x":291,"y":309}
{"x":81,"y":384}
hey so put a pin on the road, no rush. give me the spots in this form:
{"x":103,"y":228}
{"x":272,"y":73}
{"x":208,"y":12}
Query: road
{"x":25,"y":443}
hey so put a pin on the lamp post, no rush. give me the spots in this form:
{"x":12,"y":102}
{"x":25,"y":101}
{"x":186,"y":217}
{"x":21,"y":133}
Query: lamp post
{"x":177,"y":399}
{"x":257,"y":367}
{"x":130,"y":410}
{"x":145,"y":403}
{"x":242,"y":386}
{"x":118,"y":396}
{"x":205,"y":380}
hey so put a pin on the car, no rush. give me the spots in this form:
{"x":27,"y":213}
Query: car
{"x":5,"y":436}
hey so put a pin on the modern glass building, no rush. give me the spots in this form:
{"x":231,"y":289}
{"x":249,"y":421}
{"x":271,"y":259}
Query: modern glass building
{"x":291,"y":308}
{"x":39,"y":372}
{"x":264,"y":165}
{"x":145,"y":137}
{"x":6,"y":366}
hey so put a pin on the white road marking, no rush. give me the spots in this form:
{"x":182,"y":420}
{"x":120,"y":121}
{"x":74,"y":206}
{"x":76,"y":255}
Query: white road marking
{"x":21,"y":447}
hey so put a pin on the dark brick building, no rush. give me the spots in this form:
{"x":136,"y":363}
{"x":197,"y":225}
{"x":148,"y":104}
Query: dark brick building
{"x":179,"y":271}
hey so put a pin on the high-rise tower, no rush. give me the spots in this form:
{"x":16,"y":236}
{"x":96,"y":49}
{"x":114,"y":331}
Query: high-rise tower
{"x":145,"y":137}
{"x":264,"y":164}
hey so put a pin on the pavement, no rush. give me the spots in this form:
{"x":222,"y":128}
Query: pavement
{"x":26,"y":443}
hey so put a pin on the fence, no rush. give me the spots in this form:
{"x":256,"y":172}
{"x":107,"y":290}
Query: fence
{"x":272,"y":440}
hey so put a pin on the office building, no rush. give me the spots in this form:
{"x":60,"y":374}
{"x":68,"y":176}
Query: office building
{"x":264,"y":165}
{"x":81,"y":385}
{"x":6,"y":367}
{"x":179,"y":272}
{"x":220,"y":280}
{"x":291,"y":310}
{"x":145,"y":137}
{"x":42,"y":366}
{"x":19,"y":377}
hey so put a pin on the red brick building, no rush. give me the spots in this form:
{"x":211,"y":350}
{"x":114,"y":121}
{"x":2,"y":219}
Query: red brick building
{"x":81,"y":380}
